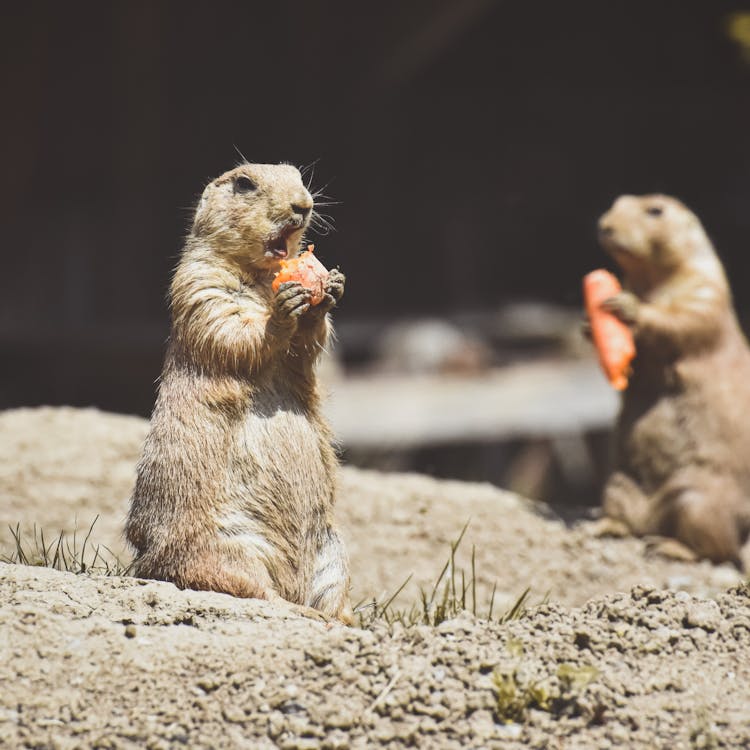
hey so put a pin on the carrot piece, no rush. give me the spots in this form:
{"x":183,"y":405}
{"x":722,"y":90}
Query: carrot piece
{"x":612,"y":338}
{"x":307,"y":270}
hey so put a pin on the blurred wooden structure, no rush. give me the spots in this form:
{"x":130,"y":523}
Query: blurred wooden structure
{"x":525,"y":401}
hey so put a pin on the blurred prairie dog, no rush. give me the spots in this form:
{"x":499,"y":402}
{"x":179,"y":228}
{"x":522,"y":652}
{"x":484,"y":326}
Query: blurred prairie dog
{"x":236,"y":483}
{"x":682,"y":441}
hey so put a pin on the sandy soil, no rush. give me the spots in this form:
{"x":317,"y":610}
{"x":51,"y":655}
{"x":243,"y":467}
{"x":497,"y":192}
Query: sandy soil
{"x":90,"y":661}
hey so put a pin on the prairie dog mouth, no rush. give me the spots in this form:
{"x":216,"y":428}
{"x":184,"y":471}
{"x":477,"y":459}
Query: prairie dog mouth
{"x":614,"y":248}
{"x":281,"y":245}
{"x":613,"y":244}
{"x":618,"y":251}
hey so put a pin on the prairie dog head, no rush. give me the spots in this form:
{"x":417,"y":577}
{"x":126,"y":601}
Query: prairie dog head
{"x":256,"y":213}
{"x":653,"y":236}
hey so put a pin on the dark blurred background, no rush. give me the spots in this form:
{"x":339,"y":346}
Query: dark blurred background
{"x":471,"y":144}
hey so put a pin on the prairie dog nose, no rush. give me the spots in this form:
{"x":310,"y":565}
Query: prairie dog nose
{"x":301,"y":204}
{"x":302,"y":210}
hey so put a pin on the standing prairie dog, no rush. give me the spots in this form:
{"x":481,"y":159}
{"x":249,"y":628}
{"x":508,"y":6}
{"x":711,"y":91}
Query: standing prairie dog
{"x":682,"y":441}
{"x":235,"y":487}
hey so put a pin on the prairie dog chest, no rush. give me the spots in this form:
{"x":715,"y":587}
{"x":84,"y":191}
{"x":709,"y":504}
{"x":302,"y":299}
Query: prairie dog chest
{"x":268,"y":433}
{"x":280,"y":448}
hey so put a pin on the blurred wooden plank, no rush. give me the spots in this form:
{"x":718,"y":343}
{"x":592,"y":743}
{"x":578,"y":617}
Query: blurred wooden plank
{"x":525,"y":400}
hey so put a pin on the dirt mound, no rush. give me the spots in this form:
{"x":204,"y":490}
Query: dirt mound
{"x":110,"y":662}
{"x":118,"y":663}
{"x":60,"y":468}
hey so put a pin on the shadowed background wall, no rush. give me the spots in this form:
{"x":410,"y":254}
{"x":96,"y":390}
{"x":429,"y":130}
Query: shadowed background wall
{"x":471,"y":145}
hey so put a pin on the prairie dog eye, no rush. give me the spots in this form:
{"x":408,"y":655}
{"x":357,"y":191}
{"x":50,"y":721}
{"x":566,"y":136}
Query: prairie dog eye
{"x":654,"y":210}
{"x":244,"y":184}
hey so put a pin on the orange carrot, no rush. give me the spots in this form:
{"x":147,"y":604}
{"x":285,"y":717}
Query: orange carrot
{"x":612,"y":338}
{"x":307,"y":270}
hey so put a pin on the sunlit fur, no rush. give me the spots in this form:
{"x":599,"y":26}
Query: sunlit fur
{"x":682,"y":449}
{"x":236,"y":484}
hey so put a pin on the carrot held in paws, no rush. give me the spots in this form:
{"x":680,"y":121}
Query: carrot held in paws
{"x":612,"y":338}
{"x":307,"y":270}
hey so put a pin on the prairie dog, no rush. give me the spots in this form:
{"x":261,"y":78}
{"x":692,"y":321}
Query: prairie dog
{"x":235,"y":487}
{"x":682,"y":440}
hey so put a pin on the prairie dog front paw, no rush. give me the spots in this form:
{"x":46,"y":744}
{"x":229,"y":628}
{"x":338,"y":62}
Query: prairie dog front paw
{"x":625,"y":306}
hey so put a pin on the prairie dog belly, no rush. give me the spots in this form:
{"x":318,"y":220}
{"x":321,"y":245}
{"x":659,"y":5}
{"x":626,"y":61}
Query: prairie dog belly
{"x":261,"y":449}
{"x":654,"y":442}
{"x":676,"y":431}
{"x":277,"y":509}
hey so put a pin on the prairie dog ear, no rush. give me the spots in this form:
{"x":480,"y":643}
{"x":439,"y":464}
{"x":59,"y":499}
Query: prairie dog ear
{"x":202,"y":211}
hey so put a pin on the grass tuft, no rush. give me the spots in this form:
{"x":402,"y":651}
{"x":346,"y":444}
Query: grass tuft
{"x":64,"y":552}
{"x":516,"y":693}
{"x":453,"y":592}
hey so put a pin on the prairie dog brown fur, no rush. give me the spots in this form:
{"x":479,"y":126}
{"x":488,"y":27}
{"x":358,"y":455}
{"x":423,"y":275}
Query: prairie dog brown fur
{"x":236,"y":483}
{"x":682,"y":441}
